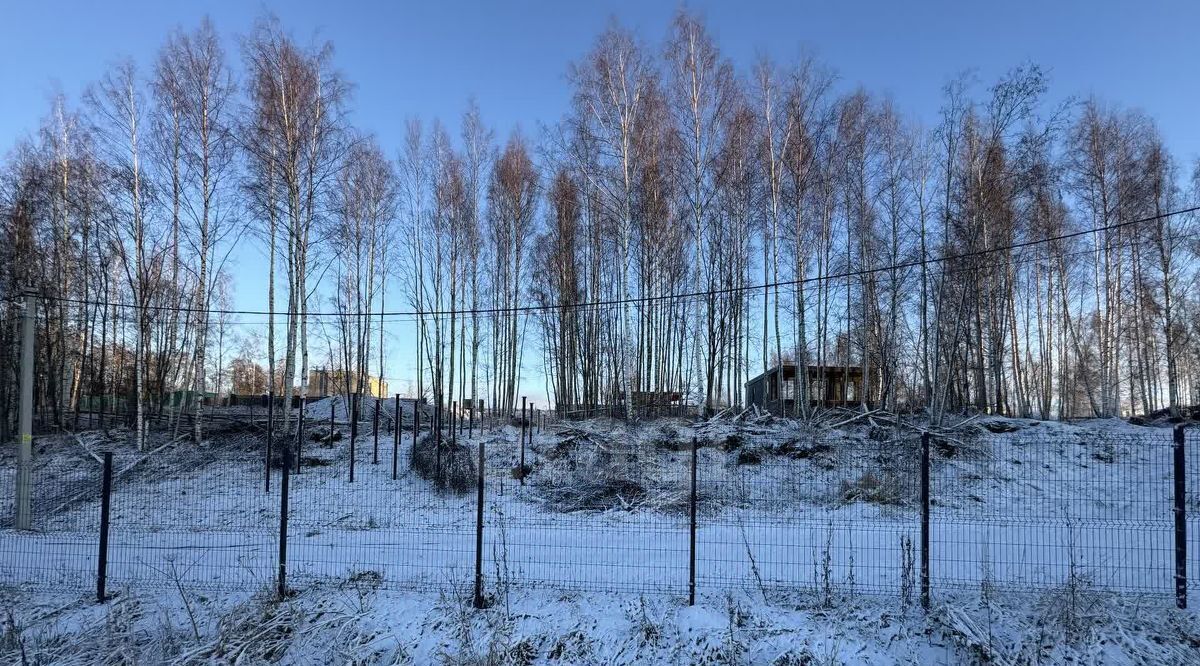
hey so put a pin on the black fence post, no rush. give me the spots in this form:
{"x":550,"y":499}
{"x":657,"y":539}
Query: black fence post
{"x":105,"y":503}
{"x":396,"y":423}
{"x":270,"y":442}
{"x":692,"y":531}
{"x":353,"y":431}
{"x":300,"y":432}
{"x":524,"y":424}
{"x":438,"y":420}
{"x":375,"y":448}
{"x":479,"y":532}
{"x":925,"y":520}
{"x":1180,"y":521}
{"x":283,"y":522}
{"x":416,"y":431}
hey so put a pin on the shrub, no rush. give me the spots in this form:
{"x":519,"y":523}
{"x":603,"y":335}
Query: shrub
{"x":749,"y":457}
{"x":324,"y":436}
{"x":450,"y":466}
{"x":874,"y":488}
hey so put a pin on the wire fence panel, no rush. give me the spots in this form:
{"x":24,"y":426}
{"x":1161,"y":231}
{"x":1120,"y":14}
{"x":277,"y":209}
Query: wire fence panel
{"x":400,"y":533}
{"x":1192,"y":506}
{"x":803,"y":515}
{"x":1024,"y":512}
{"x":197,"y":516}
{"x":60,"y":548}
{"x":583,"y":517}
{"x":801,"y":512}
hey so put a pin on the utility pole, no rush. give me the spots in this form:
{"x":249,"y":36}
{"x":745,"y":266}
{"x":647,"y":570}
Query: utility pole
{"x":25,"y":422}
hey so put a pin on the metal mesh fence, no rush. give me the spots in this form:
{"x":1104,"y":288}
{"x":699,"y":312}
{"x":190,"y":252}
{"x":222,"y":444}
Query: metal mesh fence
{"x":198,"y":523}
{"x":584,"y":517}
{"x":811,"y":516}
{"x":59,"y":549}
{"x":401,"y":532}
{"x":1029,"y":511}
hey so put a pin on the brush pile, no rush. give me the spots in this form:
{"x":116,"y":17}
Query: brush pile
{"x":635,"y":469}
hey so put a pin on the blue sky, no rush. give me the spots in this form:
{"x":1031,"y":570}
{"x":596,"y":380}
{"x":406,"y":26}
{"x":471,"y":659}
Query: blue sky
{"x":426,"y":58}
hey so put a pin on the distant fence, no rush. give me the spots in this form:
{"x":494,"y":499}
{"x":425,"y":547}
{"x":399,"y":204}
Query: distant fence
{"x":583,"y":412}
{"x":915,"y":518}
{"x":94,"y":412}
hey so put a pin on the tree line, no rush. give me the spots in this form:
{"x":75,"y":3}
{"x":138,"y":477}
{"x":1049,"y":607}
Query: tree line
{"x":686,"y":225}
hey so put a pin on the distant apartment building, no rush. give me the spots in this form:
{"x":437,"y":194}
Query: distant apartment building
{"x":324,"y":381}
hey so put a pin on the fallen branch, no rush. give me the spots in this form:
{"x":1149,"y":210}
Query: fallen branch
{"x":963,"y":422}
{"x":856,"y":417}
{"x":968,"y":631}
{"x":147,"y":455}
{"x":67,"y":502}
{"x":84,"y":446}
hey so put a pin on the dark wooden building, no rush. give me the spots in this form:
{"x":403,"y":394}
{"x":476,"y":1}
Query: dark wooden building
{"x":775,"y":390}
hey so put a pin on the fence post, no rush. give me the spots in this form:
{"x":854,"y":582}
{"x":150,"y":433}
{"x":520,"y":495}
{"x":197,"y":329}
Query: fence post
{"x":353,"y":430}
{"x":524,"y":423}
{"x":1180,"y":521}
{"x":416,"y":431}
{"x":24,"y":484}
{"x":283,"y":521}
{"x":435,"y":432}
{"x":692,"y":532}
{"x":270,"y":438}
{"x":925,"y":520}
{"x":438,"y":421}
{"x":479,"y":532}
{"x":375,"y":428}
{"x":396,"y":423}
{"x":105,"y":503}
{"x":300,"y":432}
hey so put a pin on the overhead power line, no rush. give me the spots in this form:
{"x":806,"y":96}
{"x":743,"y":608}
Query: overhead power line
{"x":412,"y":318}
{"x":527,"y":309}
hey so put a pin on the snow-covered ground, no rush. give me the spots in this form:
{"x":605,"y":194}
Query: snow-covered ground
{"x":354,"y":621}
{"x":807,"y":531}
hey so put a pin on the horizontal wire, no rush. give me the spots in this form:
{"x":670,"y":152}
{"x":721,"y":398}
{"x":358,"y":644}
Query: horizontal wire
{"x":325,"y":318}
{"x":643,"y":299}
